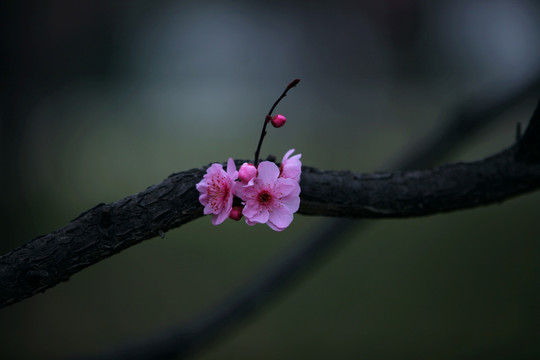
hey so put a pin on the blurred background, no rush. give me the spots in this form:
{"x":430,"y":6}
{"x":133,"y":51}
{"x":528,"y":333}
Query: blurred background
{"x":100,"y":99}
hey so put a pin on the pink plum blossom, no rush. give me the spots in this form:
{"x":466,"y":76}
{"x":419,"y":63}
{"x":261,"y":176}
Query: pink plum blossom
{"x":291,"y":168}
{"x":278,"y":120}
{"x":270,"y":199}
{"x":247,"y":172}
{"x":215,"y":190}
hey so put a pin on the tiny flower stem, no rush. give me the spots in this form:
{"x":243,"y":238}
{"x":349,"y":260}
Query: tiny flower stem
{"x":268,"y":117}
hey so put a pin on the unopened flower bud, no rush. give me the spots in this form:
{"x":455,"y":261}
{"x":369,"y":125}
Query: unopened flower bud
{"x":293,"y":83}
{"x":278,"y":120}
{"x":236,"y":213}
{"x":247,"y":172}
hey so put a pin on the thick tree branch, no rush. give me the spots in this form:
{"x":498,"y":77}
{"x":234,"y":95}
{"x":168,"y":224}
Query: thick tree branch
{"x":420,"y":192}
{"x":97,"y":234}
{"x":109,"y":228}
{"x":196,"y":334}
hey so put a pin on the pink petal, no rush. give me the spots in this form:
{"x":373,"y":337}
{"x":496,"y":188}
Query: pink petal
{"x":208,"y":210}
{"x":231,"y":170}
{"x":251,"y":209}
{"x":202,"y":185}
{"x":268,"y":172}
{"x":213,"y":169}
{"x":250,"y":223}
{"x":286,"y":156}
{"x":219,"y":218}
{"x":286,"y":187}
{"x":247,"y":193}
{"x":255,"y":213}
{"x":281,"y":217}
{"x":291,"y":202}
{"x":274,"y":227}
{"x":203,"y":197}
{"x":292,"y":168}
{"x":238,"y":189}
{"x":261,"y":217}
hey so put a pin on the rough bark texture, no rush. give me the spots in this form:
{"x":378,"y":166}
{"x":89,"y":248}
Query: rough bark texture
{"x":109,"y":228}
{"x":97,"y":234}
{"x":417,"y":193}
{"x":194,"y":334}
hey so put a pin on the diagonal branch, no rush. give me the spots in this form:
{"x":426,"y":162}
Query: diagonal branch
{"x":420,"y":192}
{"x":109,"y":228}
{"x":191,"y":336}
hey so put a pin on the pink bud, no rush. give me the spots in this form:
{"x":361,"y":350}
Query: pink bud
{"x":236,"y":213}
{"x":278,"y":120}
{"x":247,"y":172}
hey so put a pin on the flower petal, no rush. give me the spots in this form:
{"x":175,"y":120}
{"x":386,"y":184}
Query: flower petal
{"x":268,"y":172}
{"x":255,"y":213}
{"x":221,"y":217}
{"x":274,"y":227}
{"x":208,"y":210}
{"x":286,"y":187}
{"x":281,"y":217}
{"x":250,"y":223}
{"x":291,"y":168}
{"x":291,"y":202}
{"x":231,"y":170}
{"x":251,"y":209}
{"x":286,"y":156}
{"x":214,"y":168}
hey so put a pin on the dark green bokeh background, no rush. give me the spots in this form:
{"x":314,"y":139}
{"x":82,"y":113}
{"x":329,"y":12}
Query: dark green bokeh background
{"x":102,"y":100}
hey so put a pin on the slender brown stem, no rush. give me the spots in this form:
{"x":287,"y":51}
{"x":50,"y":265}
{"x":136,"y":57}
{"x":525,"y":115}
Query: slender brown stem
{"x":268,"y":117}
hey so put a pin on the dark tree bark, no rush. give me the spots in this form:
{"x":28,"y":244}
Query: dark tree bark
{"x":198,"y":332}
{"x":109,"y":228}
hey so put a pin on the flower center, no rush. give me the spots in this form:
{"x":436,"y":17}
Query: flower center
{"x":218,"y":192}
{"x":264,"y":197}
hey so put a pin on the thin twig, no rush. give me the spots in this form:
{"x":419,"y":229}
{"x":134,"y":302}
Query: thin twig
{"x":269,"y":116}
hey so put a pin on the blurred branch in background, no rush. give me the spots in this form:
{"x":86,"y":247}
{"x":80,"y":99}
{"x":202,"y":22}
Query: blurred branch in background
{"x":194,"y":335}
{"x":469,"y":118}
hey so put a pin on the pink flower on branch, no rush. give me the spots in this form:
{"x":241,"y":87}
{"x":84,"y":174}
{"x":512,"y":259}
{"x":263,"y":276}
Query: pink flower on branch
{"x":291,"y":167}
{"x":215,"y":190}
{"x":267,"y":194}
{"x":270,"y":199}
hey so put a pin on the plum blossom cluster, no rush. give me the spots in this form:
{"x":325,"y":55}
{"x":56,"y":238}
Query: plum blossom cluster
{"x":263,"y":194}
